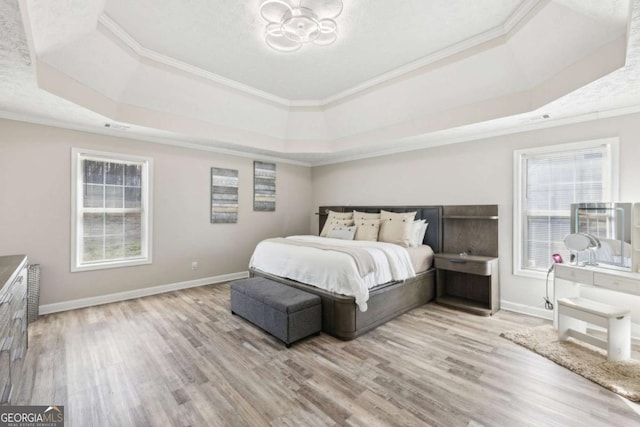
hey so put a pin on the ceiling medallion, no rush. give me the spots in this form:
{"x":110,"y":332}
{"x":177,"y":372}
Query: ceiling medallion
{"x":292,"y":23}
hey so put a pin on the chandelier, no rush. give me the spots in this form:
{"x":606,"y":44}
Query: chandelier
{"x":292,"y":23}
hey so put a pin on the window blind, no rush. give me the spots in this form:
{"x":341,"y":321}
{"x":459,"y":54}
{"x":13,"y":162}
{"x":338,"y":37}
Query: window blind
{"x":552,"y":182}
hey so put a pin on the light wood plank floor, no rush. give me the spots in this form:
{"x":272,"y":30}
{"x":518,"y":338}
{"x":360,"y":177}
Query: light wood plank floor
{"x":182,"y":359}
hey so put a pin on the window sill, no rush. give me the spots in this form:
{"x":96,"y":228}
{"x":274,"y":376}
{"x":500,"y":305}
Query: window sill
{"x":109,"y":265}
{"x":541,"y":275}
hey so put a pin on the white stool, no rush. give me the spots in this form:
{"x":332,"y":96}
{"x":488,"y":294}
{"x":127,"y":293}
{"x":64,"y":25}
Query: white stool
{"x":575,"y":313}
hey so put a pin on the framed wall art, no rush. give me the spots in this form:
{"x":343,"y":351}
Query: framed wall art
{"x":264,"y":186}
{"x":224,"y":195}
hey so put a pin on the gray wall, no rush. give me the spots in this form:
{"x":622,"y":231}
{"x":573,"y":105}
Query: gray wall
{"x":478,"y":172}
{"x":35,"y":204}
{"x":35,"y":207}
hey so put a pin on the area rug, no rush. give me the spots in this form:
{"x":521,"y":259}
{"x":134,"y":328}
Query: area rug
{"x":586,"y":360}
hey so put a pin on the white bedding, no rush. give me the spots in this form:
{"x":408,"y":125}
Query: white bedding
{"x":421,"y":257}
{"x":330,"y":270}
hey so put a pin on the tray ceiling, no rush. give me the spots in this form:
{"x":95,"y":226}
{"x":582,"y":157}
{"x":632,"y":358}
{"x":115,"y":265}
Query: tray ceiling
{"x":200,"y":73}
{"x":375,"y":37}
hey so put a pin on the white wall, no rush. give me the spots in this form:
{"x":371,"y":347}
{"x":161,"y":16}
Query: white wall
{"x":479,"y":172}
{"x":35,"y":206}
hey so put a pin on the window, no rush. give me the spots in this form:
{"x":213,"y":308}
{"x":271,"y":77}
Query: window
{"x":110,"y":210}
{"x":547,"y":181}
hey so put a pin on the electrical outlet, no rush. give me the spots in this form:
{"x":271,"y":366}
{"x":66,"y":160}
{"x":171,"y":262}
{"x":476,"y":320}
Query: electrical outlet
{"x":194,"y":265}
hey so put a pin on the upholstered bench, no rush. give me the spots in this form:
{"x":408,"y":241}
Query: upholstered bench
{"x":287,"y":313}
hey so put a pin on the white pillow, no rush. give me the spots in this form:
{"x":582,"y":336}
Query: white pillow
{"x":344,"y":233}
{"x":335,"y":223}
{"x":396,"y":227}
{"x":367,"y":229}
{"x":365,"y":215}
{"x":419,"y":230}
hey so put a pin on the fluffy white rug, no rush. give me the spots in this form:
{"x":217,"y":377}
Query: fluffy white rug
{"x":584,"y":359}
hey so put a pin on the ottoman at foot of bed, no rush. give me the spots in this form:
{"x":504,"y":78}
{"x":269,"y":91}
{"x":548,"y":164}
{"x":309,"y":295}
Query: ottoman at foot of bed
{"x":287,"y":313}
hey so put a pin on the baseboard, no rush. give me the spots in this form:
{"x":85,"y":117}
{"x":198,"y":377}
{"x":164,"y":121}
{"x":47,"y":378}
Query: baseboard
{"x":527,"y":309}
{"x":122,"y":296}
{"x":548,"y":314}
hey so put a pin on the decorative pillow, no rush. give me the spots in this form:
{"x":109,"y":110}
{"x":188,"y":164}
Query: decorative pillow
{"x":345,"y":233}
{"x":335,"y":223}
{"x":419,"y":230}
{"x":396,"y":227}
{"x":367,"y":229}
{"x":339,"y":215}
{"x":364,"y":215}
{"x":385,"y":215}
{"x":336,"y":218}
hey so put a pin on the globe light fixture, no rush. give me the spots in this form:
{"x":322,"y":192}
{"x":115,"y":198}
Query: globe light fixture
{"x":293,"y":23}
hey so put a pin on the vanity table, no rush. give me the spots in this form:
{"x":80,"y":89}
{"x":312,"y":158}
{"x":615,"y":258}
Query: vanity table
{"x":568,"y":280}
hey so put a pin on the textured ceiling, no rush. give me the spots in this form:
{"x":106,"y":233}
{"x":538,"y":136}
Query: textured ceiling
{"x":200,"y":34}
{"x":375,"y":37}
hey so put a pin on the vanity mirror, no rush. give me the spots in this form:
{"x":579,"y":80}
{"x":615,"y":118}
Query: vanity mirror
{"x":610,"y":226}
{"x":577,"y":243}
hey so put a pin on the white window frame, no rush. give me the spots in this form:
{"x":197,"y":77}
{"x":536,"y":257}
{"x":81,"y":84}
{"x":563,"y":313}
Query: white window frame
{"x":519,"y":186}
{"x":77,"y":156}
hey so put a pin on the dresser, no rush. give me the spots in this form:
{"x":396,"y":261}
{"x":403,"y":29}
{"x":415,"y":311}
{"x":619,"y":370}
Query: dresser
{"x":13,"y":323}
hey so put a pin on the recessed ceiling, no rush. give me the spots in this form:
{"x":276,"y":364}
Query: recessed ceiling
{"x":401,"y":72}
{"x":226,"y":37}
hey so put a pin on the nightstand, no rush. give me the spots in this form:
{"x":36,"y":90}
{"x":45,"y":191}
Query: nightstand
{"x":468,"y":283}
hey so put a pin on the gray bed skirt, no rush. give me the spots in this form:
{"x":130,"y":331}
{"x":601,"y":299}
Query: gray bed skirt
{"x":341,"y":317}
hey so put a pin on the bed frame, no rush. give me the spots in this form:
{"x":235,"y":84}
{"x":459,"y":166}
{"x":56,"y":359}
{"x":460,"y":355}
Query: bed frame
{"x":341,"y":317}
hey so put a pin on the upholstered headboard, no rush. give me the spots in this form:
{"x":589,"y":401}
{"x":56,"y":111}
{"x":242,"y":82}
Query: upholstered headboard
{"x":432,"y":214}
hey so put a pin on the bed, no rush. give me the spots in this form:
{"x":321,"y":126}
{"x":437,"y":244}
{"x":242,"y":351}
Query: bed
{"x":341,"y":316}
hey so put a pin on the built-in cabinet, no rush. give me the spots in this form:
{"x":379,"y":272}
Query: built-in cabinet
{"x":13,"y":323}
{"x":467,"y":270}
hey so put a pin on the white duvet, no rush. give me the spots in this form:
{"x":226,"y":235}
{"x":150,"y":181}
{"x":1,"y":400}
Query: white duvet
{"x":330,"y":270}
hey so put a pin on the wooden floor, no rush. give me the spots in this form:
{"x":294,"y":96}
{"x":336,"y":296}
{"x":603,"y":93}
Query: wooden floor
{"x":182,"y":359}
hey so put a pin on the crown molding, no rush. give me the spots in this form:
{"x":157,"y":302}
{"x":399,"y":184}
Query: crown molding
{"x":116,"y":30}
{"x":520,"y":15}
{"x":401,"y":147}
{"x":405,"y":146}
{"x":113,"y":132}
